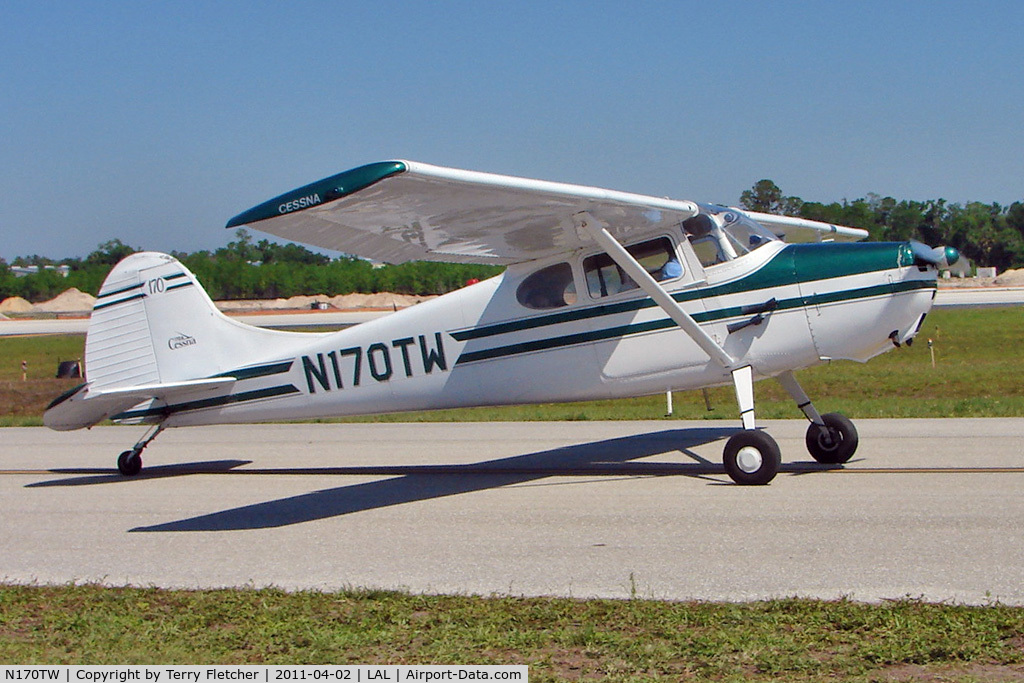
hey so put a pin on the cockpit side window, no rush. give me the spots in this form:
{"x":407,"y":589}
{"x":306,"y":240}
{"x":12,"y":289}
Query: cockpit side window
{"x":550,"y":287}
{"x":605,"y":277}
{"x":708,"y":251}
{"x":703,"y":234}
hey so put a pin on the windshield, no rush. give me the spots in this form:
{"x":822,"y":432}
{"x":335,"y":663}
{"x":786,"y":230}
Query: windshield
{"x":719,"y":234}
{"x":744,"y":234}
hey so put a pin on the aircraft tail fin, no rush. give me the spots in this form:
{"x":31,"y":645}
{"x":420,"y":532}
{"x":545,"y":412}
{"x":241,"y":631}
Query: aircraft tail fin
{"x":155,"y":335}
{"x":153,"y":323}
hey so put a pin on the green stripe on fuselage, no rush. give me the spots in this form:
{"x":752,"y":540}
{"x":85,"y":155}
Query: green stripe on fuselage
{"x":215,"y":402}
{"x":796,"y":263}
{"x":668,"y":323}
{"x":259,"y":370}
{"x":816,"y":262}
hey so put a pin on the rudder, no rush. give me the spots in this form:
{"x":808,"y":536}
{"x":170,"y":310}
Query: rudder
{"x":153,"y":323}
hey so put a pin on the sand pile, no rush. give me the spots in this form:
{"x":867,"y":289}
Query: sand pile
{"x":69,"y":301}
{"x":295,"y":302}
{"x":304,"y":301}
{"x":75,"y":301}
{"x":1011,"y":278}
{"x":341,"y":301}
{"x":378,"y":300}
{"x":15,"y":304}
{"x":251,"y":304}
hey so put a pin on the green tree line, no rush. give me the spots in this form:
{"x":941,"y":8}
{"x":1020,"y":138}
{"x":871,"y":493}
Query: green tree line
{"x":987,"y":234}
{"x":250,"y":270}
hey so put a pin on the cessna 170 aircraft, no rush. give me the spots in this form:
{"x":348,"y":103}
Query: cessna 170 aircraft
{"x":606,"y":294}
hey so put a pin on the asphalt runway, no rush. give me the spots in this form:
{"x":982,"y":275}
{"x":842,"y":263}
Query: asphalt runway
{"x":928,"y":508}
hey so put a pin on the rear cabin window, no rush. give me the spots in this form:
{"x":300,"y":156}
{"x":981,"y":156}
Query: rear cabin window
{"x":605,"y":278}
{"x":551,"y":287}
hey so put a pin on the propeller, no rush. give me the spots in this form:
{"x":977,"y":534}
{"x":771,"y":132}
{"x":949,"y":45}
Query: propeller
{"x":940,"y":257}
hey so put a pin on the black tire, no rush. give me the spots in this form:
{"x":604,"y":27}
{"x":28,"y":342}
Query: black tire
{"x":129,"y":463}
{"x":840,"y":443}
{"x":752,"y":458}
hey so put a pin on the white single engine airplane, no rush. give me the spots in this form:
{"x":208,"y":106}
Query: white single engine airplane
{"x":606,"y":294}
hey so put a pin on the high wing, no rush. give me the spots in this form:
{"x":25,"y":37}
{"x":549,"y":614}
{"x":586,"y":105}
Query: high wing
{"x":397,"y":211}
{"x":802,"y":230}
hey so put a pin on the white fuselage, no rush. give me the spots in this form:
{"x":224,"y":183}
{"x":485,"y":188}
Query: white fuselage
{"x":478,"y":346}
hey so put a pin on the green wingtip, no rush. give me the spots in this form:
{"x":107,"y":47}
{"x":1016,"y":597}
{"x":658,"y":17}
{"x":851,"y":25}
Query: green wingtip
{"x":322,"y":191}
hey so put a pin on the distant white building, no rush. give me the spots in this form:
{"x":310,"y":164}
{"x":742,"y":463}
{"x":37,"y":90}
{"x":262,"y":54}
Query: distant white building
{"x":22,"y":271}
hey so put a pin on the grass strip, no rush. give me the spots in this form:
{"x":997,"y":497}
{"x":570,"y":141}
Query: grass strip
{"x":560,"y":639}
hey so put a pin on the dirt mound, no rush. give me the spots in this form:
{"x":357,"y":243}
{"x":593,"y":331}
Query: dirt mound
{"x":345,"y":301}
{"x":304,"y":302}
{"x":378,"y":300}
{"x":1011,"y":278}
{"x":293,"y":303}
{"x":341,"y":301}
{"x":69,"y":301}
{"x":15,"y":304}
{"x":251,"y":304}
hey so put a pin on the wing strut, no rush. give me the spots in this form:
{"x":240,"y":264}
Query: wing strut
{"x":654,"y":290}
{"x":742,"y":375}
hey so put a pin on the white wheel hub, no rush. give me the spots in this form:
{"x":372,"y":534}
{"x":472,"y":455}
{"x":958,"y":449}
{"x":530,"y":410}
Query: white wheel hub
{"x":749,"y":459}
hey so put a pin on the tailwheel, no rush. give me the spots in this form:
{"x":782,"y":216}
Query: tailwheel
{"x":129,"y":463}
{"x":836,"y":443}
{"x":752,"y":458}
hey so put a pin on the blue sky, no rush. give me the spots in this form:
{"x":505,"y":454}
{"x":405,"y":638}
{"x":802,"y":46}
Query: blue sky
{"x":156,"y":122}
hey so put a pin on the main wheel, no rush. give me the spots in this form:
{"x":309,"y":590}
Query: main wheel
{"x":752,"y":458}
{"x":838,"y":445}
{"x":129,"y":463}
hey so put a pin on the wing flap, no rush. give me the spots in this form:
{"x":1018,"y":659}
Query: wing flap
{"x":401,"y":211}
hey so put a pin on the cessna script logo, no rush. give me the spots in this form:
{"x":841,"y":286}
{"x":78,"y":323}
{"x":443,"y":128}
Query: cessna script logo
{"x":180,"y":342}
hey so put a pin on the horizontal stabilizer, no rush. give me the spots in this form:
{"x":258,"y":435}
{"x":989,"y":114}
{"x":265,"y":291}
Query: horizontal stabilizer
{"x":169,"y":390}
{"x":85,"y":407}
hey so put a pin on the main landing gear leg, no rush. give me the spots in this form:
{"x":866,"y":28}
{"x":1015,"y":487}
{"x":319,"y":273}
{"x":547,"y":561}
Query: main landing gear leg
{"x":831,"y":438}
{"x":129,"y":463}
{"x":751,"y":457}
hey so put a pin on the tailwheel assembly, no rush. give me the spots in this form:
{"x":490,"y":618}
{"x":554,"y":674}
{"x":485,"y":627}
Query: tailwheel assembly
{"x":129,"y":463}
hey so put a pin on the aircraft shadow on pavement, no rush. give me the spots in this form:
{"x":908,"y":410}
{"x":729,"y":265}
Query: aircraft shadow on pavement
{"x":408,"y":484}
{"x":95,"y":475}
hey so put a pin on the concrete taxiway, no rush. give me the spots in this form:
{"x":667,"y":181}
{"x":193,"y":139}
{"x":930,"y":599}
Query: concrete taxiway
{"x":928,"y":508}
